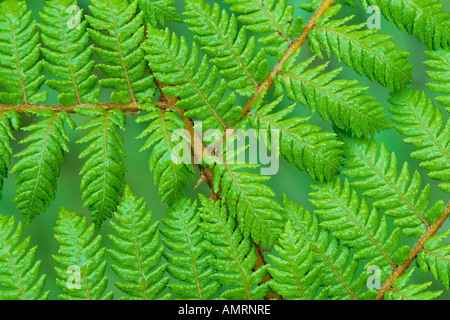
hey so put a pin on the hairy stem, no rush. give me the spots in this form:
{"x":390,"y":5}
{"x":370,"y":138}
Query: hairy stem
{"x":431,"y":231}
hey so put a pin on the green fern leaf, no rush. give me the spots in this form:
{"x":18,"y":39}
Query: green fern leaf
{"x":435,"y":257}
{"x":68,"y":54}
{"x":137,"y":250}
{"x":158,"y":11}
{"x":248,"y":197}
{"x":232,"y":53}
{"x":39,"y":165}
{"x":338,"y":100}
{"x":304,"y":145}
{"x":364,"y":50}
{"x":188,"y":260}
{"x":234,"y":255}
{"x":126,"y":66}
{"x":172,"y":177}
{"x":21,"y":276}
{"x":339,"y":280}
{"x":81,"y":265}
{"x":440,"y":74}
{"x":104,"y":171}
{"x":20,"y":50}
{"x":400,"y":291}
{"x":401,"y":195}
{"x":293,"y":270}
{"x":171,"y":63}
{"x":424,"y":127}
{"x":424,"y":19}
{"x":271,"y":17}
{"x":8,"y":120}
{"x":352,"y":221}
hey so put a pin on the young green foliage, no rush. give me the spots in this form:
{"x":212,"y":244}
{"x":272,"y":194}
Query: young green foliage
{"x":423,"y":125}
{"x":231,"y":52}
{"x":117,"y":28}
{"x":302,"y":144}
{"x":172,"y":176}
{"x":20,"y":50}
{"x":68,"y":53}
{"x":186,"y":254}
{"x":440,"y":74}
{"x":137,"y":250}
{"x":365,"y":50}
{"x":273,"y":18}
{"x":21,"y":274}
{"x":375,"y":171}
{"x":158,"y":11}
{"x":39,"y":165}
{"x":338,"y":100}
{"x":247,"y":196}
{"x":424,"y":19}
{"x":80,"y":259}
{"x":8,"y":120}
{"x":234,"y":254}
{"x":295,"y":274}
{"x":103,"y":171}
{"x":193,"y":83}
{"x":352,"y":221}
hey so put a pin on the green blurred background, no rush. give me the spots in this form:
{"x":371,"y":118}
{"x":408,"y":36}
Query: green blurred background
{"x":294,"y":183}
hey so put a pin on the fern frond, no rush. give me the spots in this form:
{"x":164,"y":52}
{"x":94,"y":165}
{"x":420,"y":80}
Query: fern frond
{"x":365,"y":50}
{"x":338,"y":269}
{"x":68,"y":54}
{"x":8,"y":120}
{"x":376,"y":171}
{"x":231,"y":52}
{"x":39,"y":165}
{"x":273,"y":18}
{"x":424,"y":19}
{"x":137,"y":250}
{"x":246,"y":195}
{"x":353,"y":222}
{"x":20,"y":50}
{"x":400,"y":291}
{"x":158,"y":11}
{"x":294,"y":273}
{"x":81,"y":265}
{"x":172,"y":177}
{"x":185,"y":252}
{"x":338,"y":100}
{"x":194,"y":84}
{"x":440,"y":74}
{"x":21,"y":277}
{"x":234,"y":255}
{"x":422,"y":123}
{"x":304,"y":145}
{"x":103,"y":171}
{"x":119,"y":30}
{"x":435,"y":257}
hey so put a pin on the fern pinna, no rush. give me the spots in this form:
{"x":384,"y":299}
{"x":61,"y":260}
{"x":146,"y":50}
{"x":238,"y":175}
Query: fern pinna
{"x":215,"y":92}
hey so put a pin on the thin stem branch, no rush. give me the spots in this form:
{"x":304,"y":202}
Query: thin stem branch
{"x":293,"y":47}
{"x":23,"y":108}
{"x":431,"y":231}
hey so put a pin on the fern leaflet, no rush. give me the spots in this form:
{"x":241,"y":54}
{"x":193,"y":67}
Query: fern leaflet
{"x":137,"y":250}
{"x":8,"y":120}
{"x":103,"y":171}
{"x":440,"y":74}
{"x":21,"y":278}
{"x":424,"y":127}
{"x":68,"y":54}
{"x":39,"y":164}
{"x":81,"y":270}
{"x":20,"y":50}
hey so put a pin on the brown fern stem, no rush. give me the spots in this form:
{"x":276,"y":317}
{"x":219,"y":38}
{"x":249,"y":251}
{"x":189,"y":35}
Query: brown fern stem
{"x":125,"y":107}
{"x":293,"y":47}
{"x":430,"y":231}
